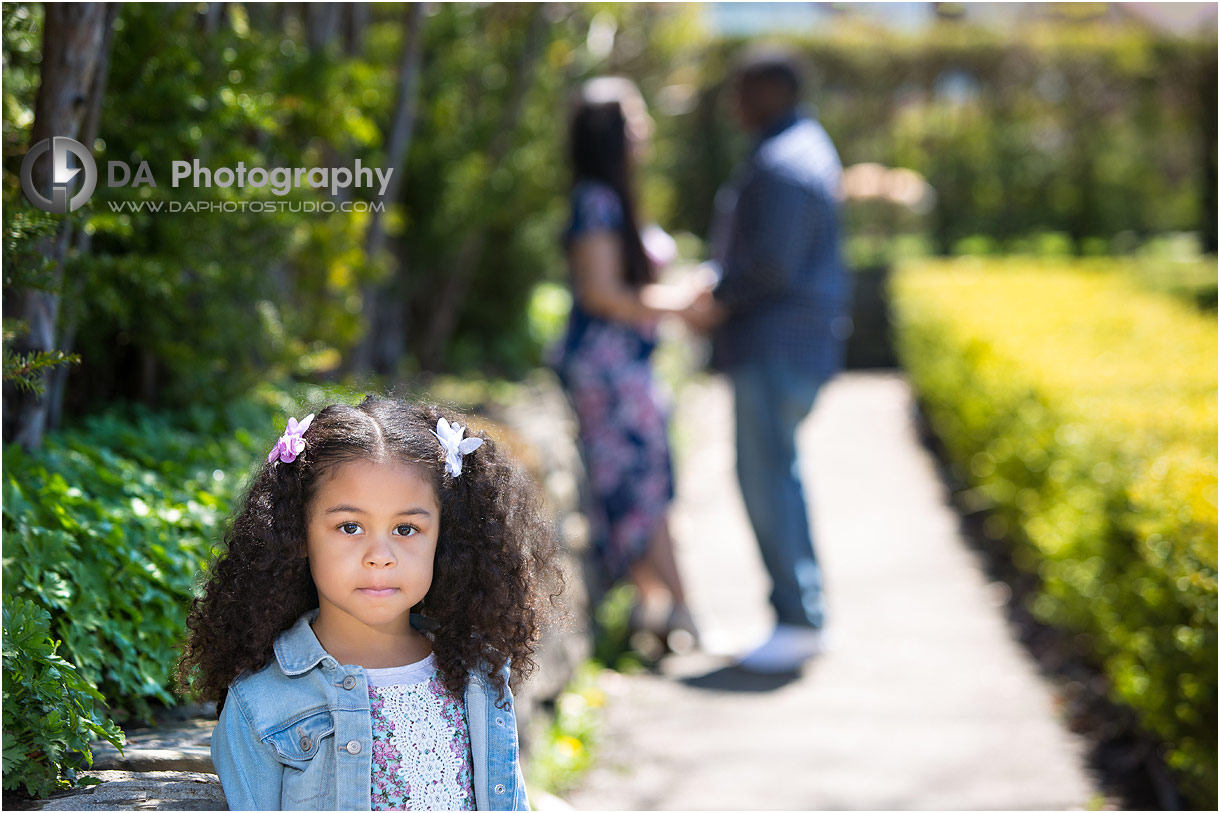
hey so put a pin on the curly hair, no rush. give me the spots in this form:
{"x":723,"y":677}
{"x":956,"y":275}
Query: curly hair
{"x":494,"y":555}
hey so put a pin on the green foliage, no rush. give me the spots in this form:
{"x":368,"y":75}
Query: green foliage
{"x":25,"y":369}
{"x":27,"y":266}
{"x":1083,"y":411}
{"x":569,"y":745}
{"x":612,"y":645}
{"x":176,"y":308}
{"x":22,"y":41}
{"x":1088,"y":129}
{"x":1082,"y":131}
{"x":207,"y":304}
{"x":1172,"y":265}
{"x":28,"y":232}
{"x":107,"y":527}
{"x":49,"y":714}
{"x":471,"y":177}
{"x":549,"y":307}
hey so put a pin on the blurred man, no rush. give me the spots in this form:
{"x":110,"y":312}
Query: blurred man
{"x":779,"y":309}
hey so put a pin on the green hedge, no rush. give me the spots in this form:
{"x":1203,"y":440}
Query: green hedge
{"x":1082,"y":408}
{"x":1090,"y":129}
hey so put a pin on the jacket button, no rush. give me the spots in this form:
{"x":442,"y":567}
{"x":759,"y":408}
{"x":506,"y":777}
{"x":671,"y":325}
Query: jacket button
{"x":349,"y":682}
{"x":353,"y":747}
{"x":500,"y":721}
{"x":306,"y":743}
{"x":500,"y":789}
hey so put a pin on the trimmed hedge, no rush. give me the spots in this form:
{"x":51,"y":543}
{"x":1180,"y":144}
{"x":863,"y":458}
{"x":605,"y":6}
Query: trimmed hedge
{"x":1082,"y":409}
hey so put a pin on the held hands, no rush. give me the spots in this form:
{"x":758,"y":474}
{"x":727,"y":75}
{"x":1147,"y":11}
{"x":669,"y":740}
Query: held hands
{"x":703,"y":313}
{"x":668,"y":298}
{"x":691,"y":300}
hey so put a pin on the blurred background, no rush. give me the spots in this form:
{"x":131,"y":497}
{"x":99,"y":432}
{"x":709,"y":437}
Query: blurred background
{"x":999,"y":156}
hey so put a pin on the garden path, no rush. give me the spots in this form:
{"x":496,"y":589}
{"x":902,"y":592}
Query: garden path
{"x":924,"y":701}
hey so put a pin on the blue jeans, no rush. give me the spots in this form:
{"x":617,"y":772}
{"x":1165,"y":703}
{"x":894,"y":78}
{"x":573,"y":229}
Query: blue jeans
{"x":771,"y":398}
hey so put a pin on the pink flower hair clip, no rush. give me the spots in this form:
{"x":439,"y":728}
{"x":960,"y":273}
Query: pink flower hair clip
{"x":292,"y":442}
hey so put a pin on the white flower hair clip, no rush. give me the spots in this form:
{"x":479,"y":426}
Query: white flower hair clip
{"x":455,"y":446}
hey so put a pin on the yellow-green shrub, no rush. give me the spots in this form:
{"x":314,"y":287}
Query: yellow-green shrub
{"x":1082,"y":408}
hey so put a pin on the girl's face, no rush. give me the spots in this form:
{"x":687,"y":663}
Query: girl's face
{"x":371,"y":542}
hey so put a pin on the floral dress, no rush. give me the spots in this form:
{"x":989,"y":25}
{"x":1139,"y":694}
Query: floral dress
{"x":606,"y":369}
{"x":421,"y":741}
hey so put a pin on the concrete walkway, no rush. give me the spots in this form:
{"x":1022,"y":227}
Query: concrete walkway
{"x":925,"y":701}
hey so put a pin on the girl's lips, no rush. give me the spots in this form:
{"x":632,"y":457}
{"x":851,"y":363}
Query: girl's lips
{"x":378,"y":591}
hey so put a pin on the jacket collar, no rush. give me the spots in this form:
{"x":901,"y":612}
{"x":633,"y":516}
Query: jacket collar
{"x":776,"y":127}
{"x":297,"y":649}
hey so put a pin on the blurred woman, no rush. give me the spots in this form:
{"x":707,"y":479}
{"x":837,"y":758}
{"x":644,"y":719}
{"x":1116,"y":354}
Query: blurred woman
{"x":604,"y":359}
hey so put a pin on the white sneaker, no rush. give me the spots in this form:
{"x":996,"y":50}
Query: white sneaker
{"x":786,"y":650}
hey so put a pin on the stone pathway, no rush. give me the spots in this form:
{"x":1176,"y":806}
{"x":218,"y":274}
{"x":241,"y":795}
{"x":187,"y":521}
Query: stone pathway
{"x":164,"y":768}
{"x":924,"y":701}
{"x":145,"y":790}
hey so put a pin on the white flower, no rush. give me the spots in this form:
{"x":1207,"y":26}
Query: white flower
{"x":455,"y":447}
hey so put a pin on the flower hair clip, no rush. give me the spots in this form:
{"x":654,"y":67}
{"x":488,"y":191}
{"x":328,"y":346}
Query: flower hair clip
{"x":455,"y":446}
{"x":291,"y":443}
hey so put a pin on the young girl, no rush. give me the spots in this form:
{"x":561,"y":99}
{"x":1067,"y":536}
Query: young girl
{"x":380,"y":577}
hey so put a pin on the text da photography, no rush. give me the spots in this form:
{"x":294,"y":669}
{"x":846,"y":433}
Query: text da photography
{"x":280,"y":180}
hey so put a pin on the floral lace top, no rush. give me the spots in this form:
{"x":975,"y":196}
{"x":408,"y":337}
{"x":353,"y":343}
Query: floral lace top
{"x":421,"y":744}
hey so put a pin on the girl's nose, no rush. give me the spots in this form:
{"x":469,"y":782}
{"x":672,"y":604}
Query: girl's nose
{"x":380,"y":554}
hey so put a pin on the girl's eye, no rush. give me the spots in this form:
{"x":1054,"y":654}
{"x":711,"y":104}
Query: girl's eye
{"x":353,"y":528}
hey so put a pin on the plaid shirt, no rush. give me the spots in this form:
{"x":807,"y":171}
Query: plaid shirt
{"x":776,"y":241}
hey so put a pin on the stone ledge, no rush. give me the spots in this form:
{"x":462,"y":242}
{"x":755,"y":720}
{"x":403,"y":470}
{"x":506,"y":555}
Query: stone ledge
{"x":151,"y":790}
{"x":188,"y":758}
{"x":182,"y":745}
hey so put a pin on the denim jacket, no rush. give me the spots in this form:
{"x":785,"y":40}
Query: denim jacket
{"x":297,"y":735}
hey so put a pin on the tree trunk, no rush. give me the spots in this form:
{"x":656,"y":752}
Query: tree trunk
{"x":372,"y":351}
{"x":73,"y":48}
{"x":357,"y":19}
{"x":212,"y":18}
{"x":57,"y":379}
{"x":321,"y":24}
{"x":461,"y":272}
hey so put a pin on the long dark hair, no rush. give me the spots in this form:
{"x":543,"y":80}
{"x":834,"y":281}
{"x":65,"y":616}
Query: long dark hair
{"x":599,"y":151}
{"x":494,"y":554}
